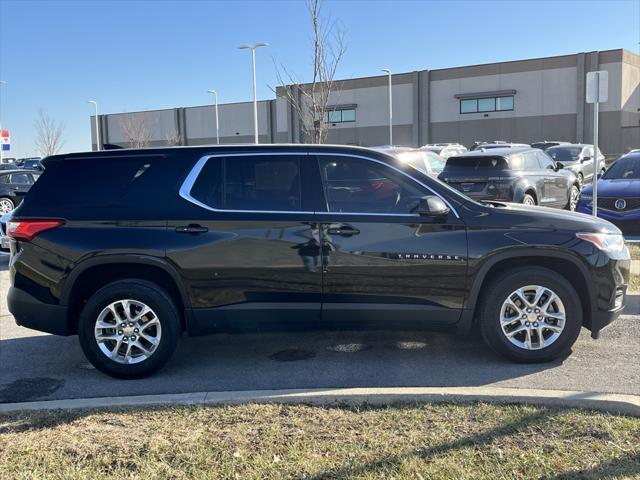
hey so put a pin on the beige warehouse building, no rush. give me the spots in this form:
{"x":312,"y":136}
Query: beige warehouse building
{"x":519,"y":101}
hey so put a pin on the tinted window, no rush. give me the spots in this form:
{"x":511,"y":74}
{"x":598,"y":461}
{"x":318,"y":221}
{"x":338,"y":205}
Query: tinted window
{"x":476,"y":163}
{"x":208,"y":186}
{"x":516,"y":162}
{"x":361,"y":186}
{"x":4,"y":179}
{"x":262,"y":183}
{"x":20,"y":179}
{"x":564,"y":154}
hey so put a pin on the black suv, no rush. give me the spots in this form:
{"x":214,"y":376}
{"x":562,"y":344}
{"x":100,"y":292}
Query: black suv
{"x":129,"y":248}
{"x":521,"y":175}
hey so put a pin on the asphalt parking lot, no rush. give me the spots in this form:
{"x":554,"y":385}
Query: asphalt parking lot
{"x":36,"y":366}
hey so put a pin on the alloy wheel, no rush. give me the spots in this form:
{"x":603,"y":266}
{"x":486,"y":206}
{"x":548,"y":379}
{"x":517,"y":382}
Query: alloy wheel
{"x":6,"y":206}
{"x":128,"y":331}
{"x":532,"y":317}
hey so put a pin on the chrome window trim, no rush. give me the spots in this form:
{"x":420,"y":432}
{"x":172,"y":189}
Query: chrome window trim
{"x":187,"y":185}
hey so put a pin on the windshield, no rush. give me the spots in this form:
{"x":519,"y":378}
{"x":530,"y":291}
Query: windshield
{"x":543,"y":145}
{"x":434,"y":149}
{"x":435,"y":161}
{"x":564,"y":154}
{"x":624,"y":169}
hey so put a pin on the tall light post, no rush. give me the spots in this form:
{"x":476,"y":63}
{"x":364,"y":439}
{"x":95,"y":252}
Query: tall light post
{"x":215,"y":95}
{"x":2,"y":82}
{"x":95,"y":104}
{"x":390,"y":107}
{"x":255,"y":98}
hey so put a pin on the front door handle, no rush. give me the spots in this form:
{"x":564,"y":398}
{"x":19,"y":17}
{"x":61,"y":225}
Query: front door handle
{"x":344,"y":231}
{"x":192,"y":229}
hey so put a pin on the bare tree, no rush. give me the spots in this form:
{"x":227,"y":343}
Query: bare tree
{"x":135,"y":130}
{"x":311,"y":101}
{"x":173,"y":137}
{"x":48,"y":134}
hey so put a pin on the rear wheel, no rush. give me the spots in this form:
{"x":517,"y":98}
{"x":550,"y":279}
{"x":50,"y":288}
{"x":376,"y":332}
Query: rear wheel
{"x":529,"y":199}
{"x":6,"y":205}
{"x":580,"y":179}
{"x":129,"y":328}
{"x":531,"y":315}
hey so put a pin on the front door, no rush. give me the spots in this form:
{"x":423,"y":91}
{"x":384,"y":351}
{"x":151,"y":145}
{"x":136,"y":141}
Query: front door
{"x":383,"y":263}
{"x":247,"y":244}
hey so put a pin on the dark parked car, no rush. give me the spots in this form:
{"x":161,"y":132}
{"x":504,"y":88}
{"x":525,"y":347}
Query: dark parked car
{"x":618,"y":195}
{"x":14,"y":185}
{"x":521,"y":175}
{"x":579,"y":158}
{"x":140,"y":245}
{"x":547,"y":143}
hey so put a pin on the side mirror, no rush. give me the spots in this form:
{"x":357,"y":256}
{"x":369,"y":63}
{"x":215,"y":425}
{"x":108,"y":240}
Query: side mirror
{"x":432,"y":206}
{"x":585,"y":159}
{"x":559,"y":166}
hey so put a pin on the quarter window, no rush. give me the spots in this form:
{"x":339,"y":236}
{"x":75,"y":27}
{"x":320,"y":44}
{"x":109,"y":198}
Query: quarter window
{"x":263,"y":183}
{"x":354,"y":185}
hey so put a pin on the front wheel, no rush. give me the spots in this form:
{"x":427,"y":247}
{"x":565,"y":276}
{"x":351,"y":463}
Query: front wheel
{"x":530,"y":315}
{"x":129,"y":328}
{"x":572,"y":202}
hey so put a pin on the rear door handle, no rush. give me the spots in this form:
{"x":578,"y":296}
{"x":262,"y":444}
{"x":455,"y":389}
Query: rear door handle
{"x":192,"y":229}
{"x":343,"y":231}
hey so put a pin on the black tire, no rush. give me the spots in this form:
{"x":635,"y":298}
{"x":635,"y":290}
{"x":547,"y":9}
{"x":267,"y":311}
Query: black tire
{"x":580,"y":180}
{"x":497,"y":292}
{"x":574,"y":193}
{"x":151,"y":295}
{"x":529,"y":199}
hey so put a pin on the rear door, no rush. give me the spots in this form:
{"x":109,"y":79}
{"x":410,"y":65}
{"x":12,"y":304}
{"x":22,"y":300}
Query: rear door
{"x":383,"y":263}
{"x":247,"y":243}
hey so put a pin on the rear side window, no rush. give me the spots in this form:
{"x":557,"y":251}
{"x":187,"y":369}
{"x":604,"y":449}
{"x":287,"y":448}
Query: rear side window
{"x":263,"y":183}
{"x":531,"y":161}
{"x":20,"y":179}
{"x":89,"y":182}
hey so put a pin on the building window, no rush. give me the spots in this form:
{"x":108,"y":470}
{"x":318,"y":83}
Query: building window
{"x":340,"y":116}
{"x":486,"y":104}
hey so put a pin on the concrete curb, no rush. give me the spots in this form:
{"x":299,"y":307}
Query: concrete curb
{"x":614,"y":403}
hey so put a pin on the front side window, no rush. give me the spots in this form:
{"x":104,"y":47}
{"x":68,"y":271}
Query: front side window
{"x":531,"y":161}
{"x":544,"y":160}
{"x":262,"y":183}
{"x":353,"y":185}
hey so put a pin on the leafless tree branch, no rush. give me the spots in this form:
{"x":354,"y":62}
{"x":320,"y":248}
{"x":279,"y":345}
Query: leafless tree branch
{"x":48,"y":134}
{"x":135,"y":130}
{"x":311,"y":101}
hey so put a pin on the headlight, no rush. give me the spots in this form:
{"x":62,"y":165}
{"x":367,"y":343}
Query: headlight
{"x":607,"y":242}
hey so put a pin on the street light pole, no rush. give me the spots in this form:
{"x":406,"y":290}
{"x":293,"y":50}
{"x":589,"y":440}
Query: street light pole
{"x":390,"y":107}
{"x":255,"y":97}
{"x":95,"y":104}
{"x":215,"y":95}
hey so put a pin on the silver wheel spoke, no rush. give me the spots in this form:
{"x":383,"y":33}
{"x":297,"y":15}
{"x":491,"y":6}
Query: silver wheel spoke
{"x":131,"y":320}
{"x":526,"y":326}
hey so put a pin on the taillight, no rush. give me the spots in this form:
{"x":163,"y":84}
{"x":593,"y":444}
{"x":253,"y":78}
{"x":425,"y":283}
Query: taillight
{"x":26,"y":230}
